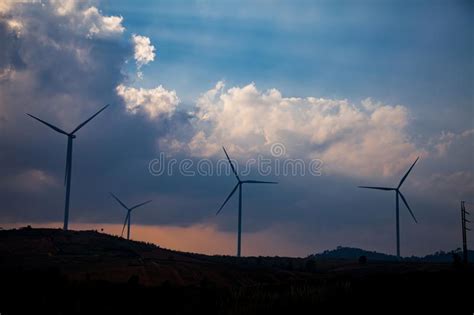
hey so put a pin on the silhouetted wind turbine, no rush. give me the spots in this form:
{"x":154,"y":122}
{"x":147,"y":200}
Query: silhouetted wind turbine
{"x":129,"y":211}
{"x":239,"y":185}
{"x":67,"y":176}
{"x":398,"y":193}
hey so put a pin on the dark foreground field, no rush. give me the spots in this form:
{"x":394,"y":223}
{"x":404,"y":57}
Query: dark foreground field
{"x":68,"y":272}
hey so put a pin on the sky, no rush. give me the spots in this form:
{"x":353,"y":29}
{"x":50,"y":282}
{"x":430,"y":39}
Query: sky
{"x":320,"y":96}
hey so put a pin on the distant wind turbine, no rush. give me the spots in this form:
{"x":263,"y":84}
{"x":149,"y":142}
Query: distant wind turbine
{"x":129,"y":211}
{"x":397,"y":194}
{"x":67,"y":176}
{"x":239,"y":186}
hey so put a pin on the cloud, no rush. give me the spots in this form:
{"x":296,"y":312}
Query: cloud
{"x":31,"y":180}
{"x":63,"y":64}
{"x":15,"y":25}
{"x":7,"y":6}
{"x":447,"y":139}
{"x":100,"y":25}
{"x":144,"y":51}
{"x":77,"y":16}
{"x":458,"y":185}
{"x":64,"y":54}
{"x":452,"y":170}
{"x":88,"y":19}
{"x":367,"y":139}
{"x":153,"y":103}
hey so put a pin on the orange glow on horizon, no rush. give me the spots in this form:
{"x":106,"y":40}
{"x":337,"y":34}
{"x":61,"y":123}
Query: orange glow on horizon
{"x":199,"y":238}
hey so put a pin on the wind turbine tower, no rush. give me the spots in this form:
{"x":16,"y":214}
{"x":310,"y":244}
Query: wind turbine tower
{"x":129,"y":212}
{"x":67,"y":177}
{"x":239,"y":185}
{"x":398,"y":194}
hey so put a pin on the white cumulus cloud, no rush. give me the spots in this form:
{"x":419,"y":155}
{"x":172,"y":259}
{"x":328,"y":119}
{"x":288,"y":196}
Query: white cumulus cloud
{"x":77,"y":16}
{"x":87,"y":19}
{"x":154,"y":103}
{"x":354,"y":139}
{"x":144,"y":51}
{"x":99,"y":25}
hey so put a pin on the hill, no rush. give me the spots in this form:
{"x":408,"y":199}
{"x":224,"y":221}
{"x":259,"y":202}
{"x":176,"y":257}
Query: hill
{"x":353,"y":254}
{"x":350,"y":253}
{"x":85,"y":272}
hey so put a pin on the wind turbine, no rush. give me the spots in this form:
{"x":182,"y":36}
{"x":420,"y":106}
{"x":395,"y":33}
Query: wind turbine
{"x":67,"y":176}
{"x":129,"y":211}
{"x":397,"y":194}
{"x":239,"y":186}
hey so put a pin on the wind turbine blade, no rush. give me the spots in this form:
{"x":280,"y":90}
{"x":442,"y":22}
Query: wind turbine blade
{"x":408,"y":207}
{"x":408,"y":172}
{"x":139,"y":205}
{"x":228,"y":197}
{"x":258,"y":182}
{"x":49,"y":125}
{"x":379,"y":188}
{"x":118,"y":200}
{"x":231,"y":165}
{"x":92,"y":117}
{"x":125,"y":223}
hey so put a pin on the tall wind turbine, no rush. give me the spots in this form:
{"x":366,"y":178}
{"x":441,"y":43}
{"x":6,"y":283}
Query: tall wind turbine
{"x":67,"y":177}
{"x":239,"y":186}
{"x":397,"y":194}
{"x":129,"y":211}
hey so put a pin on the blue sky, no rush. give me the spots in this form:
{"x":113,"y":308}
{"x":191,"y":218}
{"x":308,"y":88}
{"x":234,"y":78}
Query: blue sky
{"x":418,"y":53}
{"x":363,"y":86}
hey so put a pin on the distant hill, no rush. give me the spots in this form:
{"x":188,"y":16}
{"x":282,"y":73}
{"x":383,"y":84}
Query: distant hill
{"x":350,"y":253}
{"x":353,"y":254}
{"x":442,"y":257}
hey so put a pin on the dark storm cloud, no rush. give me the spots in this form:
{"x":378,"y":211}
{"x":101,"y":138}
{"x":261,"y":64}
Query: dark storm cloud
{"x":60,"y":74}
